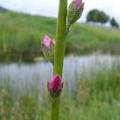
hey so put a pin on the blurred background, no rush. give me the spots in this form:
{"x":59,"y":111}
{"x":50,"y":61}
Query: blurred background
{"x":91,"y":66}
{"x":47,"y":8}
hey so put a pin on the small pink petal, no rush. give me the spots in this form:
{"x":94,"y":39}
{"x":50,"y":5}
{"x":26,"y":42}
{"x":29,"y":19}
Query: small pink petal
{"x":78,"y":3}
{"x":47,"y":41}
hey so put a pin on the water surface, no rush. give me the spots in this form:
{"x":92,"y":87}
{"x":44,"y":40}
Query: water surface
{"x":22,"y":76}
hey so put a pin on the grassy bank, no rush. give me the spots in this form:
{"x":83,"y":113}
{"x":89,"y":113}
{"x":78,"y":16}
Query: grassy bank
{"x":20,"y":36}
{"x":96,"y":97}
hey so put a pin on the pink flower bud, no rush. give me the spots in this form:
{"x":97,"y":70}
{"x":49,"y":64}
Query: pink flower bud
{"x":78,"y":3}
{"x":74,"y":12}
{"x":55,"y":85}
{"x":47,"y":42}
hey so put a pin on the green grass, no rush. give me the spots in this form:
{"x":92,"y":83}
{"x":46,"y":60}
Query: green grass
{"x":21,"y":35}
{"x":96,"y":97}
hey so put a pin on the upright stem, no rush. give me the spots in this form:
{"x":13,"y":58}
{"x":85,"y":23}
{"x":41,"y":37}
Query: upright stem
{"x":60,"y":38}
{"x":59,"y":52}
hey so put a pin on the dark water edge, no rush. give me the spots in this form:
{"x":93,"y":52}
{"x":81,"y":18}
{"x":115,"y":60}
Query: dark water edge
{"x":30,"y":57}
{"x":6,"y":58}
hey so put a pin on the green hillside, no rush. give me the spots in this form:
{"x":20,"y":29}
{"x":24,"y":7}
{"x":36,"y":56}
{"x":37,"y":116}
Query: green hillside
{"x":20,"y":34}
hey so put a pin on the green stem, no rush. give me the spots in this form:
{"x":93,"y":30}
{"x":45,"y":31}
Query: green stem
{"x":55,"y":108}
{"x":59,"y":51}
{"x":60,"y":38}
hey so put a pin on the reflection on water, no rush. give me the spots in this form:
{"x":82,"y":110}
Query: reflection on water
{"x":22,"y":76}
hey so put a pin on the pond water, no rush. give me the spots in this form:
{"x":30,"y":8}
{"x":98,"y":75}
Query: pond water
{"x":22,"y":76}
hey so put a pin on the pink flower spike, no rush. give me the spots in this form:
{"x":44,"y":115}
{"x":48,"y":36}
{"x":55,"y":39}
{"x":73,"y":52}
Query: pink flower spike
{"x":78,"y":3}
{"x":47,"y":41}
{"x":55,"y":85}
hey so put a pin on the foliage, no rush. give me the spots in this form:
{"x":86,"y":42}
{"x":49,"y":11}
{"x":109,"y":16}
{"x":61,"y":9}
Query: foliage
{"x":97,"y":16}
{"x":114,"y":23}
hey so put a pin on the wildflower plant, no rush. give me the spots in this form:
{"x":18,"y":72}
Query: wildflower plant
{"x":54,"y":51}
